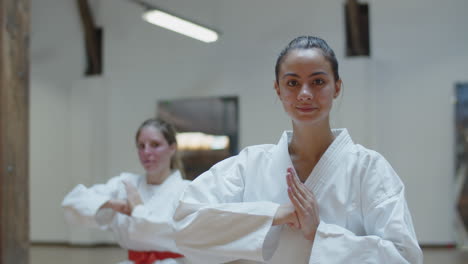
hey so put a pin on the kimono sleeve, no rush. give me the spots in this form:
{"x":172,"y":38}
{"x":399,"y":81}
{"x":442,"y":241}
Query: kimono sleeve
{"x":390,"y":236}
{"x":81,"y":205}
{"x":151,"y":223}
{"x":213,"y":223}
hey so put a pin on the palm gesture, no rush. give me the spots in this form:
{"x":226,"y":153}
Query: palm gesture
{"x":305,"y":205}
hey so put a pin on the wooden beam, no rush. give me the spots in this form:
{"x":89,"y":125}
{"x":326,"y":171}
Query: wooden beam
{"x":14,"y":129}
{"x":92,"y":40}
{"x":353,"y":20}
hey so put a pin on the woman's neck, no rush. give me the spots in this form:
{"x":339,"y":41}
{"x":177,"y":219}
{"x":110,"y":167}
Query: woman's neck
{"x":311,"y":141}
{"x":308,"y":143}
{"x":157,"y":178}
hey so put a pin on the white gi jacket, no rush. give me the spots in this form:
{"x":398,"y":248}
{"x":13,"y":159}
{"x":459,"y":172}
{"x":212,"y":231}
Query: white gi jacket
{"x":150,"y":228}
{"x":226,"y":213}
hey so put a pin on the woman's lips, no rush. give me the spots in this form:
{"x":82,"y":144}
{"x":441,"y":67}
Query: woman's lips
{"x":148,"y":162}
{"x":306,"y":108}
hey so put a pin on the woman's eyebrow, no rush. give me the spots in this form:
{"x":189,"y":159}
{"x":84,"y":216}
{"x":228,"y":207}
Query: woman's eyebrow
{"x":311,"y":75}
{"x":317,"y":73}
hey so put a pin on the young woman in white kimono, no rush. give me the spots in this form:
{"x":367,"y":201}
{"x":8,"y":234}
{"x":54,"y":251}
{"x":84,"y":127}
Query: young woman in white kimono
{"x":137,"y":209}
{"x":314,"y":197}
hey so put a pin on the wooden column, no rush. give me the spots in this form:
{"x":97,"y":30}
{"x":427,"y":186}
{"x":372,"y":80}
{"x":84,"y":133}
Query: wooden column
{"x":93,"y":39}
{"x":353,"y":17}
{"x":14,"y":131}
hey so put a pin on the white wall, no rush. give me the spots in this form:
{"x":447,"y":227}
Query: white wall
{"x":397,"y":101}
{"x":67,"y":120}
{"x":51,"y":80}
{"x":421,"y":51}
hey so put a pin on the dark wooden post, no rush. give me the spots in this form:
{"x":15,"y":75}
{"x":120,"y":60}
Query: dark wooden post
{"x":14,"y":131}
{"x":353,"y":17}
{"x":93,"y":39}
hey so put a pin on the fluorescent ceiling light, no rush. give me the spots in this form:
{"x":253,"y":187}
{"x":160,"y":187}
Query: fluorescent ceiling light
{"x":179,"y":25}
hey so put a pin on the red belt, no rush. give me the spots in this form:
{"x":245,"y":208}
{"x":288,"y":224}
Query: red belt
{"x":149,"y":257}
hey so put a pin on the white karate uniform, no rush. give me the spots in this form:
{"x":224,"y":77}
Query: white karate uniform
{"x":150,"y":227}
{"x":226,"y":213}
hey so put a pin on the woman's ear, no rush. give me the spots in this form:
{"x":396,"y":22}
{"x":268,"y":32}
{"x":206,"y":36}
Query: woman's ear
{"x":337,"y":88}
{"x":276,"y":86}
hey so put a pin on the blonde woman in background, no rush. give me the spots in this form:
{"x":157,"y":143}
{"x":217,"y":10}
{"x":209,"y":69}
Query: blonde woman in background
{"x":138,"y":209}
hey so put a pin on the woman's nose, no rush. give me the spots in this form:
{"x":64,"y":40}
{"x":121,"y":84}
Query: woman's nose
{"x":146,"y":149}
{"x":305,"y":93}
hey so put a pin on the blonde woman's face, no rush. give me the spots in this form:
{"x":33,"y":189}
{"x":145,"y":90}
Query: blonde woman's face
{"x":154,"y":151}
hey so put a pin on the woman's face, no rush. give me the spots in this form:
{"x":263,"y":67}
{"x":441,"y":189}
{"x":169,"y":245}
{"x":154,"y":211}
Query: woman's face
{"x":306,"y":86}
{"x":154,"y":151}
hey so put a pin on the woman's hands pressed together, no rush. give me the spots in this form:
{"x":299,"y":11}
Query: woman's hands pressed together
{"x":286,"y":214}
{"x":305,"y":205}
{"x":125,"y":206}
{"x":117,"y":205}
{"x":133,"y":196}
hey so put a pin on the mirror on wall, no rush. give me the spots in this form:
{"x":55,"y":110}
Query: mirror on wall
{"x":207,"y":130}
{"x":461,"y":166}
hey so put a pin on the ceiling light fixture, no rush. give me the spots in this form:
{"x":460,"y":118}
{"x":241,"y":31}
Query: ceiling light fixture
{"x":163,"y":19}
{"x":180,"y":26}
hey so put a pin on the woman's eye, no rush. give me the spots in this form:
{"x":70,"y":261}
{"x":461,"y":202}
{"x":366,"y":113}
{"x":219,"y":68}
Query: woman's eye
{"x":154,"y":144}
{"x":292,"y":83}
{"x":141,"y":146}
{"x":319,"y":81}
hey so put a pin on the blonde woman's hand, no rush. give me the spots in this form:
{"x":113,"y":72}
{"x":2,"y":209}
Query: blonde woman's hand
{"x":305,"y":205}
{"x":133,"y":196}
{"x":120,"y":206}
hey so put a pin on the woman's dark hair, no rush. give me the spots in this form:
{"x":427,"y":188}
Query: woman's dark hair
{"x":309,"y":42}
{"x":169,"y":134}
